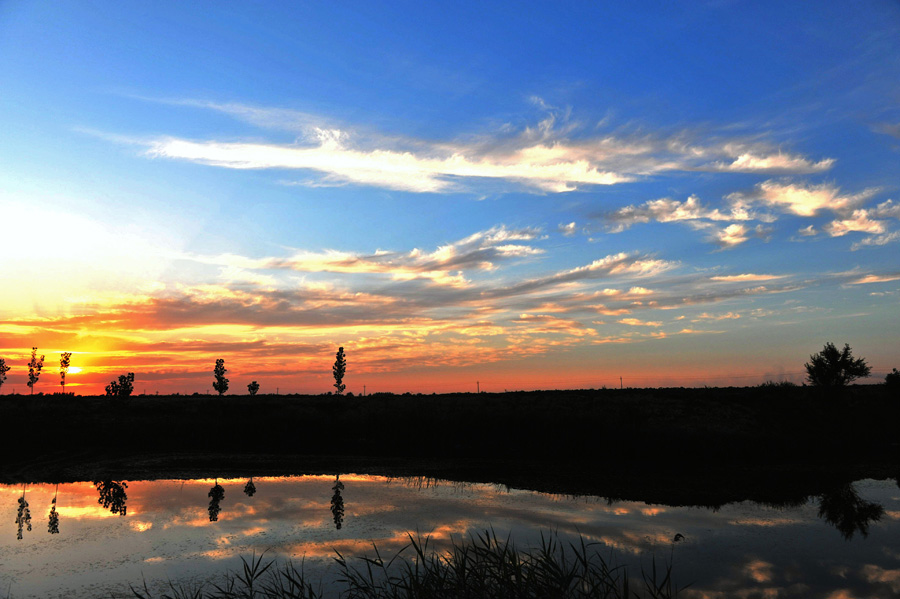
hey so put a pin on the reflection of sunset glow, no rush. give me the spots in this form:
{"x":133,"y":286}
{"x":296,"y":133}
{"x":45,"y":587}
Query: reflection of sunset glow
{"x":291,"y":518}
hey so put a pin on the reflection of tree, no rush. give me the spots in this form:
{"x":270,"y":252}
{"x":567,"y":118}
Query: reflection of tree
{"x":844,"y":509}
{"x":112,"y":495}
{"x":216,"y":495}
{"x":337,"y":502}
{"x":250,"y":488}
{"x":23,"y":516}
{"x":53,"y":518}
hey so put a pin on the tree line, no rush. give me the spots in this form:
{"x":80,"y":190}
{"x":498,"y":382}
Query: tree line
{"x":124,"y":385}
{"x":828,"y":368}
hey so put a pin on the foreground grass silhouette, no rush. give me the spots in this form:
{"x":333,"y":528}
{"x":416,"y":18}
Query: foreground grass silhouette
{"x":482,"y":566}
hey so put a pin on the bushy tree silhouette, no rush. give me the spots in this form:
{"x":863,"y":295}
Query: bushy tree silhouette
{"x":123,"y":387}
{"x":112,"y":495}
{"x":844,"y":509}
{"x":892,"y":380}
{"x":253,"y":387}
{"x":221,"y":384}
{"x":339,"y":369}
{"x":64,"y":360}
{"x":216,"y":495}
{"x":34,"y":369}
{"x":833,"y":368}
{"x":3,"y":370}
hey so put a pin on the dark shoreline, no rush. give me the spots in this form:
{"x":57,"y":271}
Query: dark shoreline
{"x":673,"y":446}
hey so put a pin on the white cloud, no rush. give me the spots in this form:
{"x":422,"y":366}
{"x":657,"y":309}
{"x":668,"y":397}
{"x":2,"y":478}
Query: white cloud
{"x":730,"y":236}
{"x":666,"y":210}
{"x":549,"y":157}
{"x":567,"y":230}
{"x":774,"y":163}
{"x":801,"y":199}
{"x":877,"y":240}
{"x":479,"y":251}
{"x":635,"y":322}
{"x":809,"y":231}
{"x":858,"y":221}
{"x":538,"y":167}
{"x":875,"y":279}
{"x":744,"y":278}
{"x":887,"y":209}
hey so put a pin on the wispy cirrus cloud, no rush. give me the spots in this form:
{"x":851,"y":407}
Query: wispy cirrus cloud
{"x":481,"y":251}
{"x":556,"y":155}
{"x":773,"y":163}
{"x":666,"y":210}
{"x":745,"y":278}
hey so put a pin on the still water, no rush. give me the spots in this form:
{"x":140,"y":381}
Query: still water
{"x":846,"y":544}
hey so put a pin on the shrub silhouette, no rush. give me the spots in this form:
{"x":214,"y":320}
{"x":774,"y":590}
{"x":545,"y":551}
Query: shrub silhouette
{"x":253,"y":387}
{"x":833,"y":368}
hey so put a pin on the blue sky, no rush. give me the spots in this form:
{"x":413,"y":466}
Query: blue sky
{"x":527,"y":194}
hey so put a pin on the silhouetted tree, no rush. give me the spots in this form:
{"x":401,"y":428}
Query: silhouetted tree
{"x":34,"y":369}
{"x":221,"y":384}
{"x":339,"y":369}
{"x":844,"y":509}
{"x":64,"y":359}
{"x":250,"y":488}
{"x":216,"y":495}
{"x":112,"y":495}
{"x":3,"y":370}
{"x":892,"y":380}
{"x":123,"y":387}
{"x":253,"y":387}
{"x":833,"y":368}
{"x":53,"y":517}
{"x":23,"y":516}
{"x":337,"y":502}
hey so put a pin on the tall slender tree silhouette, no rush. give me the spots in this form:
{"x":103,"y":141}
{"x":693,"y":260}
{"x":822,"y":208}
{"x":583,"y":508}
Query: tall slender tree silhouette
{"x":221,"y":384}
{"x":34,"y":369}
{"x":53,"y":516}
{"x":339,"y":369}
{"x":64,"y":360}
{"x":23,"y":516}
{"x":337,"y":502}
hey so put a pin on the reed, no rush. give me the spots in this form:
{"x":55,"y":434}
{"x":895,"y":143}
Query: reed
{"x":484,"y":565}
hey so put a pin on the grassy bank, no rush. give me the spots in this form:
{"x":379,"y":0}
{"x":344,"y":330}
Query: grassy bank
{"x":483,"y":566}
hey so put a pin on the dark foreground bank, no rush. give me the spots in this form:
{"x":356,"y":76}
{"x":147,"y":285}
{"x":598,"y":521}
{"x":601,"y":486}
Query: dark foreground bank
{"x":577,"y":436}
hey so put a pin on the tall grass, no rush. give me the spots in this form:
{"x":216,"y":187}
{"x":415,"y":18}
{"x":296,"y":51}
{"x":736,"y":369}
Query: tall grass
{"x":482,"y":566}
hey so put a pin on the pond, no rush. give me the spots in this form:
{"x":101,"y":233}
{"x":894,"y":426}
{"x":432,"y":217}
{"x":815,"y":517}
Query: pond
{"x":845,"y":543}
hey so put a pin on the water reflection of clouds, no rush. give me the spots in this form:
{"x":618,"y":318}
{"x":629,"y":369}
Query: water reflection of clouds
{"x":738,"y":550}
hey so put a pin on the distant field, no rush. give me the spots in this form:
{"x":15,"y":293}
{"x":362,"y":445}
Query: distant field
{"x":757,"y":425}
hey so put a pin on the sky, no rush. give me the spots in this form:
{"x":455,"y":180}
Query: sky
{"x":494,"y":196}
